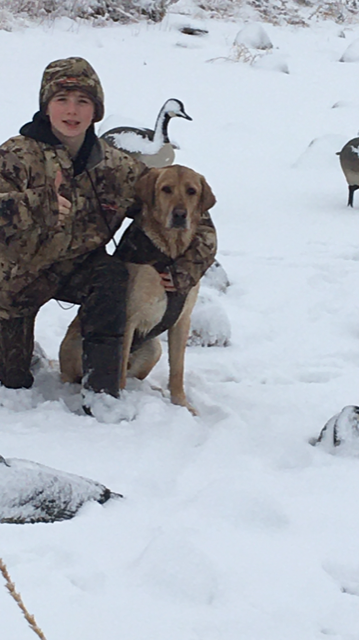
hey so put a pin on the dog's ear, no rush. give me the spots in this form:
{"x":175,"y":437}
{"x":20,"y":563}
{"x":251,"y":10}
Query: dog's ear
{"x":145,"y":186}
{"x":208,"y":199}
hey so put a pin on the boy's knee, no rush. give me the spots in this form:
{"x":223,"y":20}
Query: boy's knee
{"x":111,"y":273}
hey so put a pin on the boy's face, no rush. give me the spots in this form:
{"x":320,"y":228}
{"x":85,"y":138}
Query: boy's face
{"x":70,"y":113}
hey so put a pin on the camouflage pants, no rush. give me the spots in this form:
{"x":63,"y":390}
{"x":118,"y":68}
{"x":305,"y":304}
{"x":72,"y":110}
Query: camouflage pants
{"x":98,"y":285}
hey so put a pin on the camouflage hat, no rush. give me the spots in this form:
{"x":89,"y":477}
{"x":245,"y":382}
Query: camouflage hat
{"x":72,"y":73}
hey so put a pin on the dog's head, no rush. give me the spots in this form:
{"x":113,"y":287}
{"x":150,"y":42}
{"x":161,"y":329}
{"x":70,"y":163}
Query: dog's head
{"x":175,"y":196}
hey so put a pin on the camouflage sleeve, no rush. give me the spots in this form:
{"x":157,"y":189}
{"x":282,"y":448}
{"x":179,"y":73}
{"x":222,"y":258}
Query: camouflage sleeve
{"x":122,"y":177}
{"x":20,"y":208}
{"x":190,"y":267}
{"x":131,"y":170}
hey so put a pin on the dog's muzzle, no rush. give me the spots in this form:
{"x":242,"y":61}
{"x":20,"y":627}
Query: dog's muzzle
{"x":179,"y":218}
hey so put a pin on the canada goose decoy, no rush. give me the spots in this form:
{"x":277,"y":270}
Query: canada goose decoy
{"x":152,"y":146}
{"x":31,"y":492}
{"x":349,"y":160}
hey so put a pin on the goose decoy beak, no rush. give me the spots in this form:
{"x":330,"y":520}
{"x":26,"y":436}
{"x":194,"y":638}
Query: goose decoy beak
{"x":185,"y":116}
{"x":3,"y":461}
{"x":179,"y":114}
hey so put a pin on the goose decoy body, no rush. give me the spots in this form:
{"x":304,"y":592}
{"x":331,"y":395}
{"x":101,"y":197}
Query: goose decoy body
{"x":216,"y":277}
{"x":349,"y":160}
{"x":152,"y":146}
{"x":341,"y":429}
{"x":31,"y":492}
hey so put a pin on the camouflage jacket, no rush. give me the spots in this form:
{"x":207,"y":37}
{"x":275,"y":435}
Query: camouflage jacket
{"x":31,"y":240}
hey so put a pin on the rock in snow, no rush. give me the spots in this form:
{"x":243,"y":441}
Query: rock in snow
{"x":31,"y":492}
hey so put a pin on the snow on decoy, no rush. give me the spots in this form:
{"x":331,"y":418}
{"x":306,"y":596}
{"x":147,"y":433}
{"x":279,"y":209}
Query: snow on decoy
{"x":216,"y":277}
{"x":341,"y":429}
{"x":31,"y":492}
{"x":210,"y":325}
{"x":349,"y":160}
{"x":152,"y":146}
{"x":351,"y":53}
{"x":254,"y":36}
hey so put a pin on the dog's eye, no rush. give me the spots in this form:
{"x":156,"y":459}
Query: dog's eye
{"x":166,"y":189}
{"x":191,"y":191}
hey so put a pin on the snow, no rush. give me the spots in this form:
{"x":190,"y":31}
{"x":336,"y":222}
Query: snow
{"x":254,"y":36}
{"x":272,"y":62}
{"x":133,"y":142}
{"x":233,"y":526}
{"x":351,"y":53}
{"x":355,"y":150}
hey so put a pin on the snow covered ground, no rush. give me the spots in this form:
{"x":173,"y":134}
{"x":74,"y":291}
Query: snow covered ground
{"x":233,"y":527}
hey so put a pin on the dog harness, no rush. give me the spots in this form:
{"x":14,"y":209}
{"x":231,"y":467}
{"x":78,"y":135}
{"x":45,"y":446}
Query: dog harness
{"x":135,"y":246}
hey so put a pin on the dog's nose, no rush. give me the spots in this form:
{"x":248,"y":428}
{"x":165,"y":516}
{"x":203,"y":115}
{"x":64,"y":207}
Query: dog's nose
{"x":179,"y":218}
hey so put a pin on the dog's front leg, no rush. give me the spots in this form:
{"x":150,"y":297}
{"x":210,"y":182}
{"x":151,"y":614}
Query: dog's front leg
{"x":177,"y":340}
{"x":126,"y":348}
{"x":70,"y":355}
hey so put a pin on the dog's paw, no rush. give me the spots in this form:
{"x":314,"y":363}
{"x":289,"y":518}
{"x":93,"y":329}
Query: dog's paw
{"x":163,"y":393}
{"x":182,"y":401}
{"x":191,"y":409}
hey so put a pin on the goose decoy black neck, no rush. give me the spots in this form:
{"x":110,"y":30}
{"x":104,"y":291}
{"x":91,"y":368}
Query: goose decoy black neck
{"x":171,"y":109}
{"x":152,"y":146}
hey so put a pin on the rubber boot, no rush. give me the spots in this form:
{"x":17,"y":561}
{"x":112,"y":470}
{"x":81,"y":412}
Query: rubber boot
{"x":103,"y":318}
{"x":102,"y":364}
{"x":16,"y":347}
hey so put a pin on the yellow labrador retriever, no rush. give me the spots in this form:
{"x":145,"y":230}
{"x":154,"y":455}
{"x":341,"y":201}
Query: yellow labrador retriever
{"x":173,"y":200}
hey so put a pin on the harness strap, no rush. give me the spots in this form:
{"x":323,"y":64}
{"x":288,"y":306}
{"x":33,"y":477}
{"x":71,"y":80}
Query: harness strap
{"x":135,"y":246}
{"x":175,"y":304}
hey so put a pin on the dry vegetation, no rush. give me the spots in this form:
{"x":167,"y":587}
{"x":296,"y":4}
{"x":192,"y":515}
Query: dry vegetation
{"x":100,"y":12}
{"x":10,"y":586}
{"x":294,"y":12}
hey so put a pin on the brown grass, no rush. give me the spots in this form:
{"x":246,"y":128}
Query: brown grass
{"x":17,"y":597}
